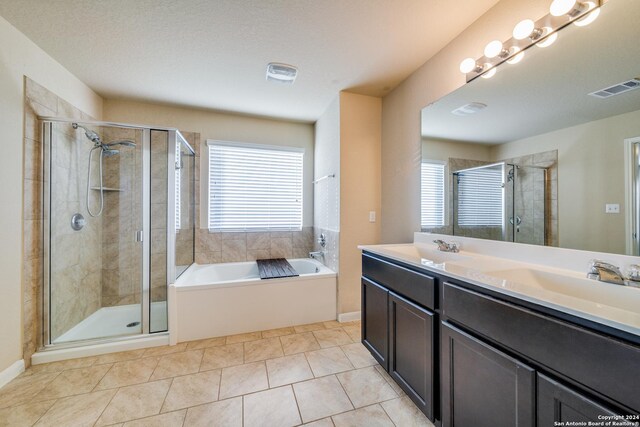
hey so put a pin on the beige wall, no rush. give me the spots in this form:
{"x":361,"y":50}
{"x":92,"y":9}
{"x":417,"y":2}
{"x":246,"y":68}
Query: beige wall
{"x":401,"y":108}
{"x":20,"y":57}
{"x":590,"y":175}
{"x":360,"y":181}
{"x":222,"y":126}
{"x":438,"y":149}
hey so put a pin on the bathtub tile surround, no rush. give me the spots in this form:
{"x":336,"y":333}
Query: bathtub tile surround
{"x":332,"y":248}
{"x":39,"y":101}
{"x":213,"y":247}
{"x":281,"y":389}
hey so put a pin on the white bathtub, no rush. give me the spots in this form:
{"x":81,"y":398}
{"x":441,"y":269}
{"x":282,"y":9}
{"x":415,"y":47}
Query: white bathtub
{"x":224,"y":299}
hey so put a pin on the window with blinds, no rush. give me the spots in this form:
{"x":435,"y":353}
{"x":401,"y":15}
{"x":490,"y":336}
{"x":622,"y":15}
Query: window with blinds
{"x":432,"y":195}
{"x":254,"y":187}
{"x":480,"y":200}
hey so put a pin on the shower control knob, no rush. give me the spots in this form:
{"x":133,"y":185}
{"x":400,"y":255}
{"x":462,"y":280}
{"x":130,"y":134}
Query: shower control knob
{"x":78,"y":221}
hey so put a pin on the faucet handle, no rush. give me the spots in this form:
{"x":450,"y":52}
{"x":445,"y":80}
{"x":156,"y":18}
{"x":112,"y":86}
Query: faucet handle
{"x":633,"y":273}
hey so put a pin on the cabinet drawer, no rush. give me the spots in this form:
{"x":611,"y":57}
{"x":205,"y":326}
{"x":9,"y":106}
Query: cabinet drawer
{"x":569,"y":350}
{"x":415,"y":286}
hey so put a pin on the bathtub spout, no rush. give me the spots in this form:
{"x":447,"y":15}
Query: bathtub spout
{"x":316,"y":254}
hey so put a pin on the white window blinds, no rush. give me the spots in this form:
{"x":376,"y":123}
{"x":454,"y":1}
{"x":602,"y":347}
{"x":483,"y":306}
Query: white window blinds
{"x":253,"y":188}
{"x":432,"y":195}
{"x":481,"y":196}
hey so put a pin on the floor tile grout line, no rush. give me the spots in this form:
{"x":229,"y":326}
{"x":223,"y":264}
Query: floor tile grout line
{"x":117,"y":390}
{"x":165,"y":397}
{"x":45,"y":412}
{"x":293,"y":390}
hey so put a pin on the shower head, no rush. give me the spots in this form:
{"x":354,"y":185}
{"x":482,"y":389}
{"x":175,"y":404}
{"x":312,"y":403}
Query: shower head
{"x":123,"y":142}
{"x":91,"y":135}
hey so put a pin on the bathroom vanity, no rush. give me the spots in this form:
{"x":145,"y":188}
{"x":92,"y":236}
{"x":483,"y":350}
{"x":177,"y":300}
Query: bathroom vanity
{"x":488,"y":341}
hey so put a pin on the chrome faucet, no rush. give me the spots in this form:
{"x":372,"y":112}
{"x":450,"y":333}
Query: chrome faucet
{"x":605,"y":272}
{"x":447,"y":246}
{"x":316,"y":254}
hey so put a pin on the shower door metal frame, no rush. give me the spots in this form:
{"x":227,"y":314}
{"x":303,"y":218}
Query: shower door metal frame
{"x":47,"y":123}
{"x":632,"y":196}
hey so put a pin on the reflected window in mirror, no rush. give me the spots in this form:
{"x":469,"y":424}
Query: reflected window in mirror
{"x":432,"y":197}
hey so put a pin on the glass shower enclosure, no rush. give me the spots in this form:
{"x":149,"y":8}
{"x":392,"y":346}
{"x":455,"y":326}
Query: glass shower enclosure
{"x":119,"y":228}
{"x":501,"y":201}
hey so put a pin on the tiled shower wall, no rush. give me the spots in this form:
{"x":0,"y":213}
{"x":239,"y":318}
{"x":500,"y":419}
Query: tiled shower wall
{"x":122,"y":256}
{"x":38,"y":102}
{"x":76,"y":256}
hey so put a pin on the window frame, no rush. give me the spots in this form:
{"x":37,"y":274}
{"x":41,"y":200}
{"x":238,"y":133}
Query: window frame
{"x":257,"y":146}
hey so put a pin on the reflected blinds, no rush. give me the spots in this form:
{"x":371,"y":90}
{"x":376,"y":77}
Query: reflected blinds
{"x":481,"y":197}
{"x":432,"y":195}
{"x":252,"y":188}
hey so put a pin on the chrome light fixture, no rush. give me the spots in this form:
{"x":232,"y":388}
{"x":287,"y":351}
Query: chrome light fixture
{"x":542,"y":33}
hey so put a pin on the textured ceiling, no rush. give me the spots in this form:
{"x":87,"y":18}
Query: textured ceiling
{"x":548,"y":89}
{"x":213,"y":54}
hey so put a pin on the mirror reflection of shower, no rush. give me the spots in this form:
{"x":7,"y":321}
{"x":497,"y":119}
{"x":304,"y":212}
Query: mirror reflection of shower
{"x":106,"y":150}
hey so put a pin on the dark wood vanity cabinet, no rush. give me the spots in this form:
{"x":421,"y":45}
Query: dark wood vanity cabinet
{"x":482,"y":386}
{"x":477,"y":358}
{"x":399,"y":329}
{"x":375,"y":320}
{"x":559,"y":403}
{"x":411,"y":351}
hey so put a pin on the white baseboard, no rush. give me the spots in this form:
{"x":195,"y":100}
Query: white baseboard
{"x":11,"y":372}
{"x":349,"y":317}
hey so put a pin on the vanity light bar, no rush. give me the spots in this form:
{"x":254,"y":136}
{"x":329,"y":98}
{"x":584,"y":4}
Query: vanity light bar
{"x":527,"y":33}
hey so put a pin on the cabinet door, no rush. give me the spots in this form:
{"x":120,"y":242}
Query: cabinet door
{"x":562,"y":404}
{"x":481,"y":386}
{"x":411,"y":361}
{"x":375,"y":321}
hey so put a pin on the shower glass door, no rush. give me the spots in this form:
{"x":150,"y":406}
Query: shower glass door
{"x":93,"y":231}
{"x":528,"y":221}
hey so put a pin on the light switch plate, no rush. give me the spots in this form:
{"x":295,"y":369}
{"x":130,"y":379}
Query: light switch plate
{"x":372,"y":216}
{"x":613,"y":208}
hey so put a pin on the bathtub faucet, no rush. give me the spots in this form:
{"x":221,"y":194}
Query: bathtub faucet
{"x":316,"y":254}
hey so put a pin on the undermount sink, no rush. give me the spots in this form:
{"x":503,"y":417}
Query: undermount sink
{"x":600,"y":293}
{"x":427,"y":255}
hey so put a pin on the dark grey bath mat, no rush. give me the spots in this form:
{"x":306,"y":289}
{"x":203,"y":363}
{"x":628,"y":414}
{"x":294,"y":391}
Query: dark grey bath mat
{"x":275,"y":268}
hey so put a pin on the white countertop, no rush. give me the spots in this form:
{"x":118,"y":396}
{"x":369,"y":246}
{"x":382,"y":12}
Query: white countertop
{"x":564,"y":290}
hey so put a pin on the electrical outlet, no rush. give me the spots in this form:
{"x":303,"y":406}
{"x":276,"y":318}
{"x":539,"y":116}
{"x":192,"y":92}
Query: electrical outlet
{"x":612,"y":208}
{"x":372,"y":216}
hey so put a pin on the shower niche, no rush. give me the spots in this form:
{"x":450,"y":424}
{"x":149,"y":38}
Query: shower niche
{"x":119,"y":228}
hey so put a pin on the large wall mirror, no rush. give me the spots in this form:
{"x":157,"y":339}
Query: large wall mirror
{"x":545,"y":162}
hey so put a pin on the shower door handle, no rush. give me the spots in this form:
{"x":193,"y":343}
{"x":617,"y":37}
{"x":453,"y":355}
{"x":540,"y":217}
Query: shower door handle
{"x":139,"y":236}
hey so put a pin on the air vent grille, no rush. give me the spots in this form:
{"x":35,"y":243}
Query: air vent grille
{"x":617,"y":89}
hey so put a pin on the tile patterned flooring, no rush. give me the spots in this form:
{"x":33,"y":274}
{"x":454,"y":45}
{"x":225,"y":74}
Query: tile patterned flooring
{"x":317,"y":374}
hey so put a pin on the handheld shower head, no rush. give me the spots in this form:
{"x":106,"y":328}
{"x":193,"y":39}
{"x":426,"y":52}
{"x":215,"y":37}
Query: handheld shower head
{"x":91,"y":135}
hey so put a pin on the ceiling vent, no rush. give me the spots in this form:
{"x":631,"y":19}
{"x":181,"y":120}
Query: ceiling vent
{"x":617,"y":89}
{"x":281,"y":73}
{"x":468,"y":109}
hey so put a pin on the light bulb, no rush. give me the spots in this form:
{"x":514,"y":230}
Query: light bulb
{"x":516,"y":58}
{"x":491,"y":71}
{"x":493,"y":49}
{"x":561,"y":7}
{"x":549,"y":40}
{"x":468,"y":65}
{"x":589,"y":17}
{"x":523,"y":29}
